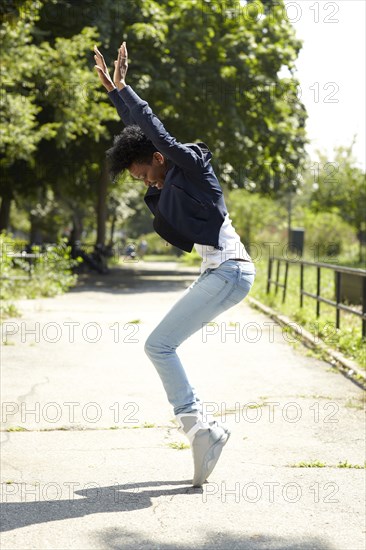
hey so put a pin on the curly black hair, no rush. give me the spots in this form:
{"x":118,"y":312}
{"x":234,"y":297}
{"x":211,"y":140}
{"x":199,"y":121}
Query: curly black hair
{"x":130,"y":146}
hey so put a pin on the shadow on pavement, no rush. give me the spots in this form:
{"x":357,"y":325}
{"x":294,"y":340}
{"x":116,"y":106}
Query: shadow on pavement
{"x":217,"y":540}
{"x":136,"y":280}
{"x":115,"y":498}
{"x":136,"y":496}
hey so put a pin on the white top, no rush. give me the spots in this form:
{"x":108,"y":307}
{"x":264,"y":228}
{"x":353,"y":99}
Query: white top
{"x":231,"y":244}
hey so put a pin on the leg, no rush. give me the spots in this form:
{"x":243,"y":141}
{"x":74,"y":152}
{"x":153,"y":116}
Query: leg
{"x":212,"y":293}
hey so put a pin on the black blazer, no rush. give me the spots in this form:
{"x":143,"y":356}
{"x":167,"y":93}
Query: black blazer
{"x":190,"y":208}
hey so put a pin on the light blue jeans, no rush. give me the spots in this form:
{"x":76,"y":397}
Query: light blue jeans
{"x":215,"y":290}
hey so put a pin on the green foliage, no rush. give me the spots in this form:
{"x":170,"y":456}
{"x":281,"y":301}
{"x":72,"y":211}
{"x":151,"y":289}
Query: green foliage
{"x":337,"y":186}
{"x":191,"y":258}
{"x":211,"y":71}
{"x":70,"y":92}
{"x":347,"y":339}
{"x":313,"y":464}
{"x":155,"y":244}
{"x":346,"y":464}
{"x":327,"y":234}
{"x":252,"y":213}
{"x":52,"y":273}
{"x":160,"y":258}
{"x":340,"y":184}
{"x":319,"y":464}
{"x":20,"y":129}
{"x":7,"y":308}
{"x":53,"y":115}
{"x":178,"y":445}
{"x":49,"y":274}
{"x":126,"y":204}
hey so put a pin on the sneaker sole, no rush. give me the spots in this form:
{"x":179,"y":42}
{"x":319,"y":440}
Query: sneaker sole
{"x":210,"y":459}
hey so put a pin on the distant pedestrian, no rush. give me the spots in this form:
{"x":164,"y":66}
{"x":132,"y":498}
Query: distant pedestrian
{"x":130,"y":251}
{"x":142,"y":248}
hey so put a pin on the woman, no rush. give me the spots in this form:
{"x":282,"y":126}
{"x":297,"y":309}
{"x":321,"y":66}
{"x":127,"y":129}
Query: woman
{"x":189,"y":211}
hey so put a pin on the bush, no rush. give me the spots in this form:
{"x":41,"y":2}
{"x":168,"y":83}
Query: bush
{"x":52,"y":273}
{"x":253,"y":215}
{"x":155,"y":244}
{"x":327,"y":235}
{"x":49,"y":274}
{"x":191,"y":258}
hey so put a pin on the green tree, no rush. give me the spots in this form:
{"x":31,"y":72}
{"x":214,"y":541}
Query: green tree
{"x":20,"y":130}
{"x":210,"y":70}
{"x":339,"y":186}
{"x":251,"y":214}
{"x":53,"y":119}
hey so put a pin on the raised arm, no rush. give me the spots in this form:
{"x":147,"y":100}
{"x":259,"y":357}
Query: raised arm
{"x":111,"y":88}
{"x":153,"y":128}
{"x":121,"y":107}
{"x":149,"y":123}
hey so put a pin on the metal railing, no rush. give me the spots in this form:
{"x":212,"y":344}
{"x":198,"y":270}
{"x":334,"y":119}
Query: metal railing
{"x":94,"y":257}
{"x":24,"y":256}
{"x":338,"y":270}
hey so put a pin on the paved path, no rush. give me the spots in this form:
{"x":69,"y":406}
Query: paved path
{"x":97,"y":466}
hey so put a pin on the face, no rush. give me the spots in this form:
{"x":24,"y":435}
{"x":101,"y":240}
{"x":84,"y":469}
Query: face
{"x":153,"y":175}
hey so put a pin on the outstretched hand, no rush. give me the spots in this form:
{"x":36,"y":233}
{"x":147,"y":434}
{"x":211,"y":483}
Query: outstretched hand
{"x":102,"y":70}
{"x":121,"y":67}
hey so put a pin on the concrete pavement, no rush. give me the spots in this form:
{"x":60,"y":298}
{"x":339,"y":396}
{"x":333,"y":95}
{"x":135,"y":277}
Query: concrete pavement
{"x":91,"y":457}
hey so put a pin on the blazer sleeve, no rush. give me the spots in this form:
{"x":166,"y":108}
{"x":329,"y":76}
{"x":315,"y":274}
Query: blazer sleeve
{"x":122,"y":109}
{"x":167,"y":145}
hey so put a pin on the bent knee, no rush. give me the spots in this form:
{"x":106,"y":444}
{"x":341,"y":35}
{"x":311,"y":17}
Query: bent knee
{"x":151,"y":345}
{"x":148,"y":346}
{"x":154,"y":345}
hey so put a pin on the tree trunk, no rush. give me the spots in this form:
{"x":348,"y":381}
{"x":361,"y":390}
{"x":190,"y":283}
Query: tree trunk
{"x":361,"y":250}
{"x":5,"y":212}
{"x":113,"y":226}
{"x":247,"y":247}
{"x":36,"y":233}
{"x":102,"y":204}
{"x":77,"y":227}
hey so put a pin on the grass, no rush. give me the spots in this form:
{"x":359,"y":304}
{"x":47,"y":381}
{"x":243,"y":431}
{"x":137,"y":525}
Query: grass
{"x":318,"y":464}
{"x":179,"y":446}
{"x":346,"y":464}
{"x":347,"y":339}
{"x":352,"y":405}
{"x":160,"y":258}
{"x":51,"y":273}
{"x":144,"y":425}
{"x":314,"y":464}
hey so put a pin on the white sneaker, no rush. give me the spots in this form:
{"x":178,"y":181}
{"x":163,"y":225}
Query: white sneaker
{"x":207,"y":440}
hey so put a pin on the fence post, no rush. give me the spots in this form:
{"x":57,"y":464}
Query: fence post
{"x":338,"y":297}
{"x":364,"y":307}
{"x":285,"y":283}
{"x":277,"y":274}
{"x":317,"y":291}
{"x":31,"y":267}
{"x":270,"y":260}
{"x":301,"y":284}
